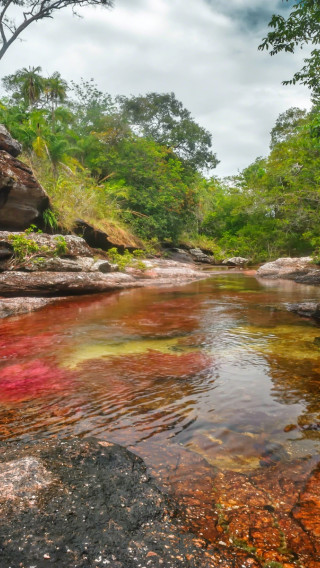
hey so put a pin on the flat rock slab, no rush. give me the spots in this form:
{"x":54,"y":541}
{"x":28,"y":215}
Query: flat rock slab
{"x":18,"y":306}
{"x":61,"y":283}
{"x":84,"y":503}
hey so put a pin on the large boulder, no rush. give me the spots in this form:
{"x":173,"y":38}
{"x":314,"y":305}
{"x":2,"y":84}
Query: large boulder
{"x":8,"y":143}
{"x":22,"y":199}
{"x":285,"y":267}
{"x":235,"y":261}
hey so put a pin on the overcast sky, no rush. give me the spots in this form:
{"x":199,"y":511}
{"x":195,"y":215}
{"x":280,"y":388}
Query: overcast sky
{"x":203,"y":50}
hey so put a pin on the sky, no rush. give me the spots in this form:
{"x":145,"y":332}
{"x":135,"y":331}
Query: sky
{"x":205,"y":51}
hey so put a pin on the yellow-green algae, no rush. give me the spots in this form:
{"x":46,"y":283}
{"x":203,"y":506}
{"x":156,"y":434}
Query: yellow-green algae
{"x":295,"y":342}
{"x":85,"y":352}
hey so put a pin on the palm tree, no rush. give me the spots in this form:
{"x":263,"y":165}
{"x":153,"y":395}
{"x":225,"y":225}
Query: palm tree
{"x":26,"y":84}
{"x":55,"y":90}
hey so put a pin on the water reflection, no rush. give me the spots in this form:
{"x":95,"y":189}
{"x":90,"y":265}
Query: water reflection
{"x":217,"y":367}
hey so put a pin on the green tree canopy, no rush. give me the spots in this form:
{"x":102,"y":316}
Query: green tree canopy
{"x":162,"y":118}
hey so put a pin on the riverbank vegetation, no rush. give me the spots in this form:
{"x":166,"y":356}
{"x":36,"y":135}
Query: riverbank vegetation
{"x":142,"y":166}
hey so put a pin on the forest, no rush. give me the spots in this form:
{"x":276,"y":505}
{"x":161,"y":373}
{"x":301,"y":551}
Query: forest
{"x":143,"y":166}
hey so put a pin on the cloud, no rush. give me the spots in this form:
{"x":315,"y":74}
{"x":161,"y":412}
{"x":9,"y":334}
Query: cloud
{"x":203,"y":50}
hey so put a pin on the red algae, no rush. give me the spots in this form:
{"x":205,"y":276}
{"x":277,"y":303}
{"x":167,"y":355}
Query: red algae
{"x":25,"y":346}
{"x":29,"y":381}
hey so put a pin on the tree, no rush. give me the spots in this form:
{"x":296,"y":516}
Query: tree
{"x":55,"y":89}
{"x":157,"y":201}
{"x":17,"y":15}
{"x":26,"y":84}
{"x":300,"y":28}
{"x":287,"y":124}
{"x":162,"y":118}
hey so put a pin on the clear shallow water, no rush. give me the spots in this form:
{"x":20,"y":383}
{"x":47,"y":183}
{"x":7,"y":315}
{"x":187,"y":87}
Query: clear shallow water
{"x":216,"y":370}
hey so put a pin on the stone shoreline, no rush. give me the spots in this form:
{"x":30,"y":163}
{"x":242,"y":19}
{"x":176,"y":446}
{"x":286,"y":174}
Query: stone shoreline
{"x":80,"y":270}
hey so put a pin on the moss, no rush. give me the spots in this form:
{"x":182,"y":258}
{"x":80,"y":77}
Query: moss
{"x":243,"y":545}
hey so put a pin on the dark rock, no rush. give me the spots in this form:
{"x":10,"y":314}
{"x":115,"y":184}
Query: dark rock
{"x":81,"y":503}
{"x":100,"y":240}
{"x":311,"y":277}
{"x":306,"y":309}
{"x":104,"y":266}
{"x":22,"y":199}
{"x":6,"y":250}
{"x":179,"y":255}
{"x":8,"y":143}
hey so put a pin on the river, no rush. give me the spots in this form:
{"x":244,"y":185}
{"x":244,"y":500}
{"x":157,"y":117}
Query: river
{"x":210,"y":381}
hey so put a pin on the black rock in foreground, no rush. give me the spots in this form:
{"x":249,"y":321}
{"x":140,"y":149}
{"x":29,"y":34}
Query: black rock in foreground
{"x":84,"y":503}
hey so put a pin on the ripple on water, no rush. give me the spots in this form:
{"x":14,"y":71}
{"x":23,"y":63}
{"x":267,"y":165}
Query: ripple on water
{"x":213,"y":376}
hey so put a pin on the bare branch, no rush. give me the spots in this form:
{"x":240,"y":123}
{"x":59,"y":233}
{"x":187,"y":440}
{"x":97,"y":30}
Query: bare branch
{"x":38,"y":10}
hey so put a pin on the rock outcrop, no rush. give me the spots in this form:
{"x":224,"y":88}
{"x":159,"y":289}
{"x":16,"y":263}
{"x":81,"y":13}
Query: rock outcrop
{"x":286,"y":268}
{"x":9,"y":144}
{"x":22,"y":199}
{"x":199,"y":256}
{"x":18,"y":306}
{"x":301,"y":270}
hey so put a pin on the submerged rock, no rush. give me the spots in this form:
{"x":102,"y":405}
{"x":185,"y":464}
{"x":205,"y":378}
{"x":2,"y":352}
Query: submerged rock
{"x":306,"y":309}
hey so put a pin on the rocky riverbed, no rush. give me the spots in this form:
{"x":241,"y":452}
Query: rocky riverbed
{"x":91,"y":504}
